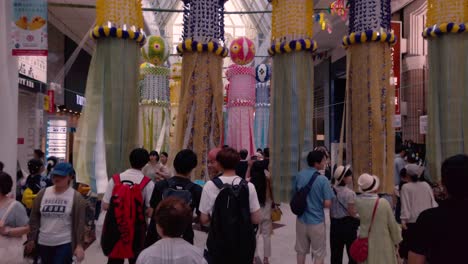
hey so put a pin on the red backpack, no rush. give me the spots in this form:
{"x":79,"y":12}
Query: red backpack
{"x":124,"y":227}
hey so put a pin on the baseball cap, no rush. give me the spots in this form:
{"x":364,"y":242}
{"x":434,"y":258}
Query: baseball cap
{"x":414,"y":170}
{"x":63,"y":169}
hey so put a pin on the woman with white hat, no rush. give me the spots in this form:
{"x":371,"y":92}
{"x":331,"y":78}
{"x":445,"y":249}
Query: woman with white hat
{"x":377,"y":222}
{"x":344,"y":223}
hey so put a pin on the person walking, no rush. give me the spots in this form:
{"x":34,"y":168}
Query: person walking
{"x":14,"y":223}
{"x":230,"y":205}
{"x":399,"y":163}
{"x":260,"y":178}
{"x":416,"y":197}
{"x":310,"y":226}
{"x":130,"y":185}
{"x":181,"y":186}
{"x":58,"y":220}
{"x":164,"y":171}
{"x":385,"y":233}
{"x":241,"y":168}
{"x":344,"y":222}
{"x":440,"y":233}
{"x":173,"y":217}
{"x":153,"y":167}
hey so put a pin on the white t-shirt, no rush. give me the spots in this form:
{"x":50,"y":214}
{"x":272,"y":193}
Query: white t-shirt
{"x":171,"y":251}
{"x":56,"y":222}
{"x":210,"y":192}
{"x":134,"y":176}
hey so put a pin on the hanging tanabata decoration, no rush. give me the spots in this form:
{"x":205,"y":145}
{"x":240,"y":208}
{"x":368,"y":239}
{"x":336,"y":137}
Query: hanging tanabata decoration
{"x":370,"y":107}
{"x":174,"y":87}
{"x":262,"y":105}
{"x":447,"y":97}
{"x":241,"y":97}
{"x":199,"y":122}
{"x":107,"y":130}
{"x":154,"y":115}
{"x":291,"y":95}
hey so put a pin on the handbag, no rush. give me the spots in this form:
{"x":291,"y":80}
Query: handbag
{"x":11,"y":248}
{"x":298,"y":202}
{"x":359,"y":249}
{"x":276,"y":212}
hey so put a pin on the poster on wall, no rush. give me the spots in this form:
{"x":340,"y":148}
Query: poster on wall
{"x":56,"y":139}
{"x":34,"y":67}
{"x":29,"y":28}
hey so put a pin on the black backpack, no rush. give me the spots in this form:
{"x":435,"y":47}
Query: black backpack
{"x":174,"y":190}
{"x":232,"y":237}
{"x":299,"y":201}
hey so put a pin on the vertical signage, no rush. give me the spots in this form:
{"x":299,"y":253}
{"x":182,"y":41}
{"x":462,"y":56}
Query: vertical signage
{"x":56,"y":139}
{"x":396,"y":69}
{"x":29,"y":28}
{"x":50,"y":95}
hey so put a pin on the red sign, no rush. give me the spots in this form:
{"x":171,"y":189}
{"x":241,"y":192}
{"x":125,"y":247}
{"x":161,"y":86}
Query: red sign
{"x":20,"y":141}
{"x":396,"y":58}
{"x":50,"y":94}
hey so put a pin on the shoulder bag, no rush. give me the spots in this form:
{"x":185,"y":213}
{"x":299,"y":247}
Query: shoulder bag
{"x":359,"y":249}
{"x":11,"y":248}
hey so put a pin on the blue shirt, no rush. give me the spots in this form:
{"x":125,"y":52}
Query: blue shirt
{"x":320,"y":191}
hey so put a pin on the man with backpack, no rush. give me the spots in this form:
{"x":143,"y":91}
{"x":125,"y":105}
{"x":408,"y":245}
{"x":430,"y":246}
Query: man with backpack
{"x":178,"y":186}
{"x":310,"y":224}
{"x":127,"y":201}
{"x":230,"y":205}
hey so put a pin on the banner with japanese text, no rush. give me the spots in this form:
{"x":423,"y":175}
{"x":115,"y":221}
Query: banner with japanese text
{"x":29,"y":28}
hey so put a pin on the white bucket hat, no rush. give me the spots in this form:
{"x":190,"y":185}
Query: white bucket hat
{"x":368,"y":183}
{"x":340,"y":173}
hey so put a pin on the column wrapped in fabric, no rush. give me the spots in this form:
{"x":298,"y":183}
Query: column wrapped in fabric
{"x":370,"y":100}
{"x":262,"y":105}
{"x":292,"y":91}
{"x":447,"y":97}
{"x":199,"y":122}
{"x":107,"y":132}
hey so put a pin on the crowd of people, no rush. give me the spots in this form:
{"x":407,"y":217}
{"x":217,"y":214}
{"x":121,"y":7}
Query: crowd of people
{"x":150,"y":211}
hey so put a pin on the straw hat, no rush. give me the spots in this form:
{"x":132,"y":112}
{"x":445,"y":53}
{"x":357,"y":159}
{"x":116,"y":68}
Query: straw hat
{"x":340,"y":173}
{"x":368,"y":183}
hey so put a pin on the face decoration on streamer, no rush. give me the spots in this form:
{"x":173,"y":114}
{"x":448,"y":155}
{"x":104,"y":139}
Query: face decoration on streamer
{"x":156,"y":50}
{"x":176,"y":70}
{"x":262,"y":72}
{"x":242,"y":51}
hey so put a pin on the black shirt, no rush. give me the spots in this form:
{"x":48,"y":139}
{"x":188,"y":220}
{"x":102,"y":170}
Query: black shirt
{"x":156,"y":197}
{"x":441,"y":233}
{"x":241,"y":168}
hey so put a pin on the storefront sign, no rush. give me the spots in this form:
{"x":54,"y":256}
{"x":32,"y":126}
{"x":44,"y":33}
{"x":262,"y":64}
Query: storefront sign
{"x":31,"y":85}
{"x":423,"y":125}
{"x":29,"y":28}
{"x":397,"y":121}
{"x":56,"y":139}
{"x":34,"y":67}
{"x":80,"y":100}
{"x":396,"y":58}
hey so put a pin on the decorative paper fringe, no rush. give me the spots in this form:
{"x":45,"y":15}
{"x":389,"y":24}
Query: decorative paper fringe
{"x":291,"y":118}
{"x":447,"y":99}
{"x":112,"y":108}
{"x":199,"y":122}
{"x":371,"y":137}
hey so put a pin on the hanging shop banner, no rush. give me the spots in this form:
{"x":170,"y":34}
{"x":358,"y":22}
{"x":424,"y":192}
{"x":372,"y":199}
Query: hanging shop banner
{"x":396,"y":56}
{"x":29,"y":28}
{"x":50,"y":95}
{"x":56,"y":139}
{"x":423,"y":125}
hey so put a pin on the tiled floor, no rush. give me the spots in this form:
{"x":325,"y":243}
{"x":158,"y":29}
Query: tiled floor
{"x":283,"y":241}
